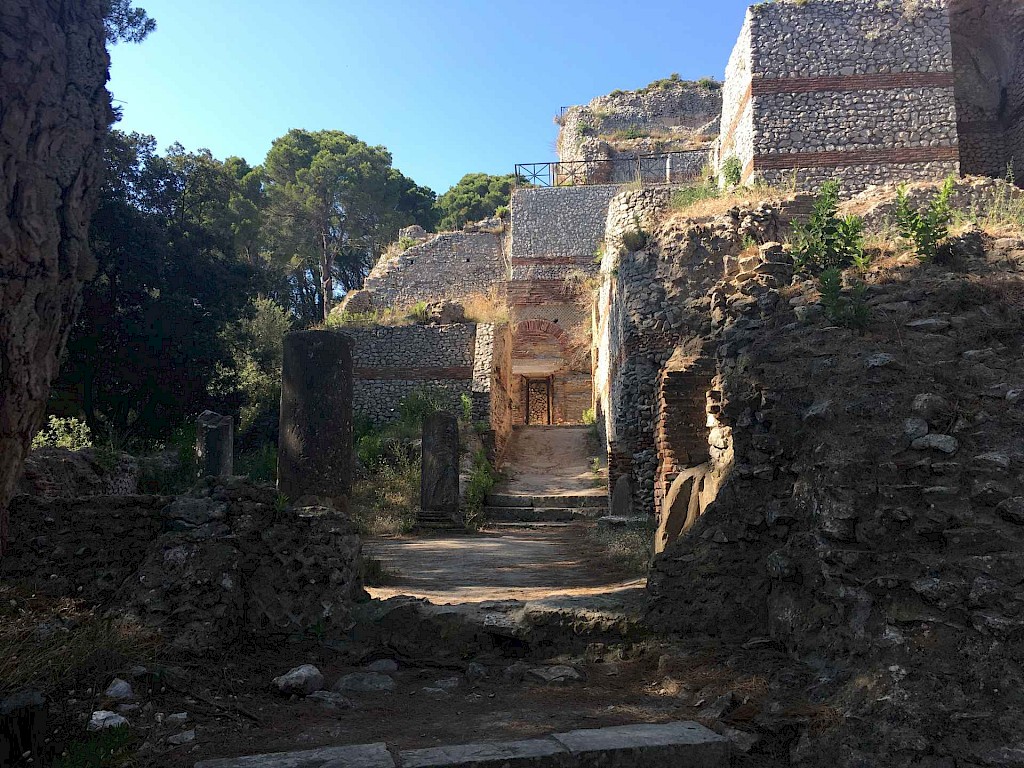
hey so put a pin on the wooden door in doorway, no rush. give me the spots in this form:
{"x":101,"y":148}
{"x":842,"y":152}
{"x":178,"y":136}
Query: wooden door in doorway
{"x":538,"y":401}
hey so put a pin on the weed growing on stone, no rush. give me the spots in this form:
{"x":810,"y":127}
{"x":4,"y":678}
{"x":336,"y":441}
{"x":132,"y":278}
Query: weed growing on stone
{"x":929,"y":227}
{"x":846,"y":308}
{"x":826,"y":240}
{"x":70,"y":433}
{"x":732,"y":171}
{"x":105,"y":749}
{"x":481,"y":481}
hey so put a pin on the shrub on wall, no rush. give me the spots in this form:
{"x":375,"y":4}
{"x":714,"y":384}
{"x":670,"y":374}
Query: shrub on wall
{"x":732,"y":171}
{"x":70,"y":433}
{"x":927,"y":228}
{"x":827,"y":240}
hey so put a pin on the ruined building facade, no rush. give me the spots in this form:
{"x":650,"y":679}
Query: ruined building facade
{"x":872,"y":91}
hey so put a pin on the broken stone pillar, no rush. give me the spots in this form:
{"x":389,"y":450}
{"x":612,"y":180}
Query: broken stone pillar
{"x":214,"y":445}
{"x":439,"y":483}
{"x":621,"y":504}
{"x":314,"y":453}
{"x":681,"y":506}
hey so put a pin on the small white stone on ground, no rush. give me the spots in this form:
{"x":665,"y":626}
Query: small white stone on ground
{"x":119,"y":689}
{"x":182,"y":738}
{"x":177,"y":718}
{"x":300,"y":681}
{"x":102,"y":719}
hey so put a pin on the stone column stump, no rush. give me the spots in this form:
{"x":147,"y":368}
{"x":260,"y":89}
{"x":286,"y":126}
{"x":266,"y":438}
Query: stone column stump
{"x":439,"y":483}
{"x":214,"y":444}
{"x":314,"y":455}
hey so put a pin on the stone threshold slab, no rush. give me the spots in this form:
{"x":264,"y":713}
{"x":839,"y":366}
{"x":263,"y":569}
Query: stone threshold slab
{"x":669,"y":745}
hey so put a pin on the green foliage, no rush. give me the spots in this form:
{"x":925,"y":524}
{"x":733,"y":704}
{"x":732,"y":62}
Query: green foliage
{"x":827,"y":241}
{"x":70,"y":433}
{"x":109,"y":748}
{"x":253,"y":376}
{"x":420,"y":403}
{"x":405,"y":243}
{"x":476,"y":196}
{"x":387,"y":501}
{"x":259,"y":465}
{"x":848,"y":309}
{"x":126,"y":24}
{"x":632,"y":132}
{"x":732,"y":171}
{"x":502,"y":211}
{"x":466,"y":407}
{"x":927,"y":228}
{"x":589,"y":416}
{"x":418,"y":312}
{"x":706,"y":189}
{"x":635,"y":239}
{"x":333,"y":204}
{"x":481,"y":481}
{"x":709,"y":84}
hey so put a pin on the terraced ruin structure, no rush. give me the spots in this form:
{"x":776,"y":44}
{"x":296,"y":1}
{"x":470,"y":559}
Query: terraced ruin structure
{"x":750,"y":356}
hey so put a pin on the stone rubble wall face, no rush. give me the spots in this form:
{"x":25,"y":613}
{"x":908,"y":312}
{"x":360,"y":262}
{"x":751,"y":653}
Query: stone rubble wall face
{"x":857,"y":176}
{"x":559,"y":221}
{"x":828,"y":38}
{"x":882,"y":97}
{"x":869,"y":119}
{"x":450,"y":266}
{"x":390,"y":362}
{"x":737,"y":138}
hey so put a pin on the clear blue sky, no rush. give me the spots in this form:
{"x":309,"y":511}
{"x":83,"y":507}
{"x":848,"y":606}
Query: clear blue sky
{"x":449,"y":86}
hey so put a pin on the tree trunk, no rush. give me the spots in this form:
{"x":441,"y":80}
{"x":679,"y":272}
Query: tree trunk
{"x":326,"y":276}
{"x":56,"y":111}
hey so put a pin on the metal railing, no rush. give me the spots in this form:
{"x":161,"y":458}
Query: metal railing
{"x":661,"y":168}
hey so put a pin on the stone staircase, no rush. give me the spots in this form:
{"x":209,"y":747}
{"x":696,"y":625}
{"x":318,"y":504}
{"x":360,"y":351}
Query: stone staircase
{"x":510,"y":510}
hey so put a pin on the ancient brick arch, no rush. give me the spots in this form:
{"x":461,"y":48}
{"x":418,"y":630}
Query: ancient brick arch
{"x":526,"y":331}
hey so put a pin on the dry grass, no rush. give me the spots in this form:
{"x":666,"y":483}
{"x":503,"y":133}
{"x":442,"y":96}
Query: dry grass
{"x":54,"y":644}
{"x":386,"y":503}
{"x":706,"y":200}
{"x":490,"y":307}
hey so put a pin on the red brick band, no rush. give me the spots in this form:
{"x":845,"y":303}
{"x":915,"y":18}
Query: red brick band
{"x":895,"y":155}
{"x":413,"y":374}
{"x":887,"y":81}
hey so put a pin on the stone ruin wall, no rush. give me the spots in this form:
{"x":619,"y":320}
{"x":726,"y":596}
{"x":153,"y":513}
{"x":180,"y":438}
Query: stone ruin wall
{"x":879,"y":106}
{"x":737,"y":131}
{"x":474,"y":359}
{"x":390,"y":362}
{"x":654,"y":378}
{"x":451,"y":266}
{"x":988,"y":57}
{"x":678,"y":115}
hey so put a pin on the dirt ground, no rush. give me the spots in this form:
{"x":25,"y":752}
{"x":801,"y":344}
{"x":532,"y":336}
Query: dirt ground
{"x":550,"y":461}
{"x":509,"y":565}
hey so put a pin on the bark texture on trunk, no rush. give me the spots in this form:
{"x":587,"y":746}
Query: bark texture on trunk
{"x":54,"y":113}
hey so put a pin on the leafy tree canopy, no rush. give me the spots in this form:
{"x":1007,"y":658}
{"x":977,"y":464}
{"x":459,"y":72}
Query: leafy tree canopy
{"x":475,"y":197}
{"x":125,"y":23}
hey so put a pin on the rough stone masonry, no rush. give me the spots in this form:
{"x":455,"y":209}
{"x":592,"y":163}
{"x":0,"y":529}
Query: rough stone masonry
{"x":910,"y":89}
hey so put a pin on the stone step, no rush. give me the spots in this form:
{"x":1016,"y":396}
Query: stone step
{"x":537,"y":514}
{"x":527,"y":524}
{"x":680,"y":744}
{"x":550,"y":502}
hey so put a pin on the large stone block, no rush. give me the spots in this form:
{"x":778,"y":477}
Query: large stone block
{"x":214,"y":444}
{"x":315,"y":443}
{"x":439,"y":484}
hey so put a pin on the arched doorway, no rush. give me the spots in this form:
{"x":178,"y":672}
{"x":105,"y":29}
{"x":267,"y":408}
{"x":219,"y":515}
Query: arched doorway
{"x":551,"y":376}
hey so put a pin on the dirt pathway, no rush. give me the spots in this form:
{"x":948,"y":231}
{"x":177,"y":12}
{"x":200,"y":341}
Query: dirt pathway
{"x":510,"y":565}
{"x":549,"y":461}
